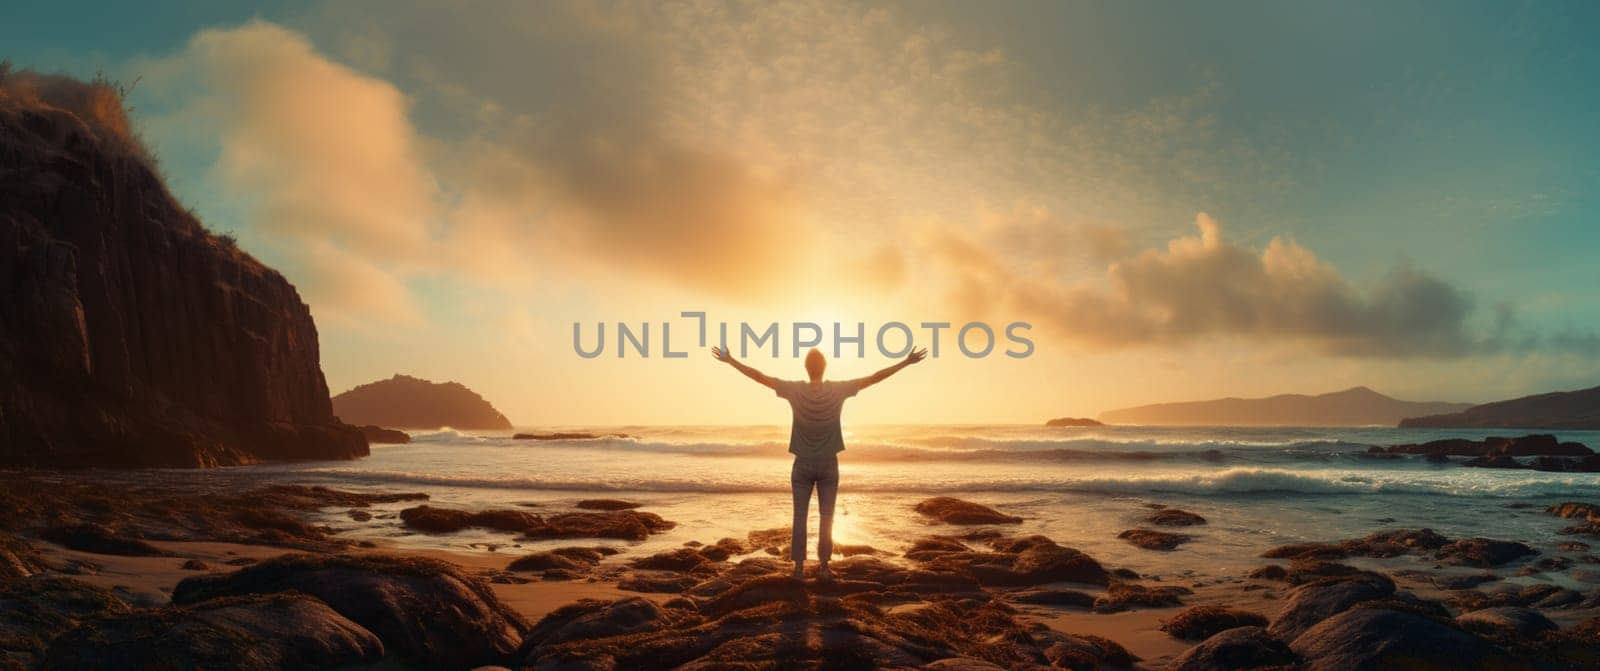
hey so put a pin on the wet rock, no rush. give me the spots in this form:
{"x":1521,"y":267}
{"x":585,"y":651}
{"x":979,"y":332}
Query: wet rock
{"x":768,"y":589}
{"x":1462,"y":581}
{"x":1121,"y":596}
{"x":1269,"y":572}
{"x":595,"y":618}
{"x":657,"y":582}
{"x":773,"y":622}
{"x":1382,"y":544}
{"x":1498,"y":461}
{"x":446,"y":520}
{"x":607,"y":504}
{"x":1202,"y":622}
{"x":568,"y":559}
{"x":359,"y":515}
{"x":681,"y":559}
{"x":1396,"y":542}
{"x":1574,"y":510}
{"x":1236,"y":649}
{"x":195,"y":565}
{"x":930,"y":547}
{"x":1546,"y":565}
{"x":728,"y":548}
{"x":377,"y":435}
{"x":1150,"y":539}
{"x":246,"y":633}
{"x":961,"y":664}
{"x":1371,"y":639}
{"x":428,"y":611}
{"x":956,"y":511}
{"x":99,"y":540}
{"x":848,"y":550}
{"x":34,"y":610}
{"x":620,"y":524}
{"x":17,"y":558}
{"x":1314,"y":602}
{"x":1511,"y":619}
{"x":1040,"y":561}
{"x":1053,"y":597}
{"x":1083,"y":651}
{"x":1542,"y":595}
{"x":865,"y":568}
{"x":1302,"y":571}
{"x":1483,"y":552}
{"x":1307,"y":551}
{"x":1173,"y":517}
{"x":773,"y":541}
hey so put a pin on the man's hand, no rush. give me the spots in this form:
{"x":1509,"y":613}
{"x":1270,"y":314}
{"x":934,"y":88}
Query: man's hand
{"x":721,"y":354}
{"x":916,"y":355}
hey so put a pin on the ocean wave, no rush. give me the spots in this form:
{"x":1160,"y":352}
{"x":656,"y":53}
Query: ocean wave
{"x":991,"y":450}
{"x":1224,"y":482}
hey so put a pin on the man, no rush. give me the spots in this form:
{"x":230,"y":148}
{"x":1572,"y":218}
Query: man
{"x":815,"y":440}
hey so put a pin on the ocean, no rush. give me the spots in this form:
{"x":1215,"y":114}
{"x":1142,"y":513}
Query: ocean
{"x":1258,"y":487}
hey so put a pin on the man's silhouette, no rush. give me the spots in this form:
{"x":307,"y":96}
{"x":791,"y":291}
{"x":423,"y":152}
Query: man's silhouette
{"x":816,"y":441}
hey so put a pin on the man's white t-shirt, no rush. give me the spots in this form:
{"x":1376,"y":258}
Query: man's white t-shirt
{"x":816,"y":431}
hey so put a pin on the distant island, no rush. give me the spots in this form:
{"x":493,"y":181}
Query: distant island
{"x":1555,"y":410}
{"x":405,"y":402}
{"x":1073,"y":421}
{"x":1358,"y":406}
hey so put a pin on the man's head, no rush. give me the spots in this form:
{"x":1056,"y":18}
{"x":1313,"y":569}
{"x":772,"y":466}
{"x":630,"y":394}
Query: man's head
{"x":815,"y":364}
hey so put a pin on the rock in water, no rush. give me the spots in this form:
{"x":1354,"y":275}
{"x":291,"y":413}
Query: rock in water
{"x":1202,"y":622}
{"x":431,"y":612}
{"x":408,"y":402}
{"x":130,"y":335}
{"x":1233,"y":649}
{"x":956,"y":511}
{"x":1373,"y":639}
{"x":249,"y":633}
{"x":378,"y":435}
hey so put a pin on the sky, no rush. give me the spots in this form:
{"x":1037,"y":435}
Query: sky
{"x":1184,"y":200}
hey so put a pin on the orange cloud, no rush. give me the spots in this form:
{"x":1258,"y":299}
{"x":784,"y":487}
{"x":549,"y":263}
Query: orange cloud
{"x":1203,"y":286}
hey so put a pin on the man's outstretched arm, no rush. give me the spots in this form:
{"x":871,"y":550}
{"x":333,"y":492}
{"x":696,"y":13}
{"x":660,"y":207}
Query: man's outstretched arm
{"x":915,"y":356}
{"x":727,"y":357}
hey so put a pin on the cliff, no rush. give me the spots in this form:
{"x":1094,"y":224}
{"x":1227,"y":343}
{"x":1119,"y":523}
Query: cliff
{"x":413,"y":403}
{"x":1555,"y":410}
{"x":129,"y":335}
{"x":1358,"y":406}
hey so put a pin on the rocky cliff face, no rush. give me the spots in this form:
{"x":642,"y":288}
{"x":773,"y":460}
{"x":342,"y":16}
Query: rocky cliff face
{"x":413,"y":403}
{"x":129,"y":335}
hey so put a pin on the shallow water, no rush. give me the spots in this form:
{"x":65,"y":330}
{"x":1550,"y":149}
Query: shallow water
{"x":1259,"y":487}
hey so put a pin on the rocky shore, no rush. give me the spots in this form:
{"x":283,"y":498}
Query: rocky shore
{"x":250,"y":580}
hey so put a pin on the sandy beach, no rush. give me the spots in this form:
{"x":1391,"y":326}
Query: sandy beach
{"x":970,"y":594}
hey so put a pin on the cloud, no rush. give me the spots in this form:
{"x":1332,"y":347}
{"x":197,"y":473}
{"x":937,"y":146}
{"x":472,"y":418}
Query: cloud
{"x":327,"y":163}
{"x":323,"y":159}
{"x":1202,"y":286}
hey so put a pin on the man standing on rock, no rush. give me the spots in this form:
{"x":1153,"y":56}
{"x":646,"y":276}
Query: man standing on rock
{"x":816,"y":440}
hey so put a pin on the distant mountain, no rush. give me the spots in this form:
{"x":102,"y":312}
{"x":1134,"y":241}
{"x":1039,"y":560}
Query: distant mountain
{"x":1555,"y":410}
{"x":405,"y":402}
{"x":1358,"y":406}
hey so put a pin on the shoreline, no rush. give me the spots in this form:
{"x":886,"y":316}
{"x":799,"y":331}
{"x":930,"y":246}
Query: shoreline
{"x":140,"y":548}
